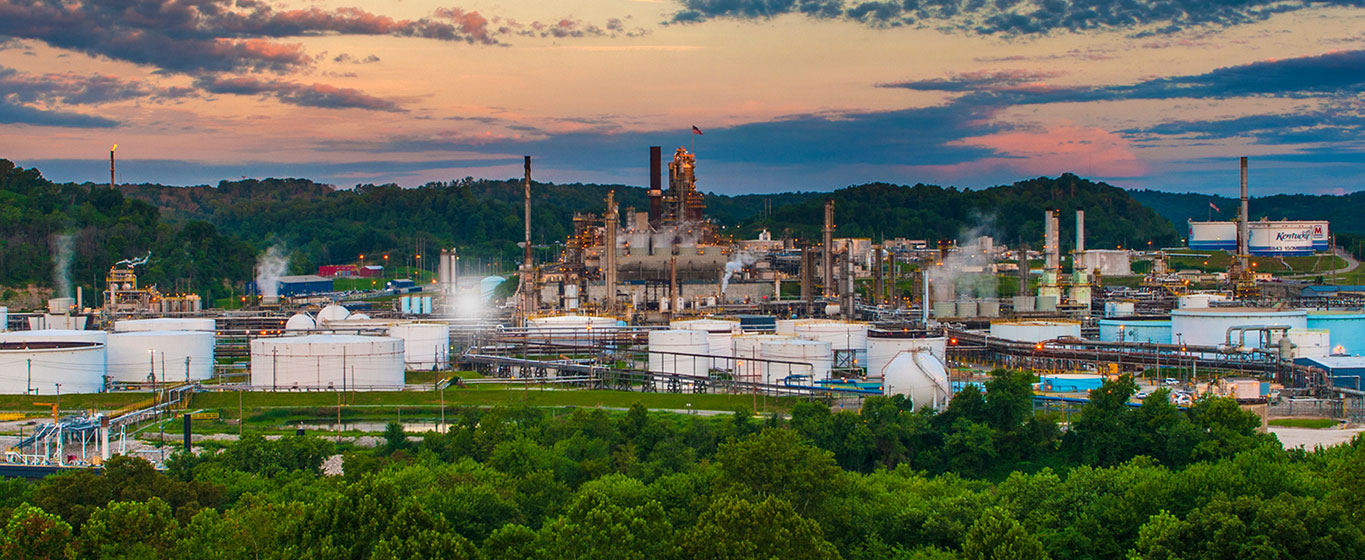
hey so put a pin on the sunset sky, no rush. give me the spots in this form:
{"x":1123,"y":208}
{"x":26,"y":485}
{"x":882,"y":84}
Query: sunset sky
{"x":791,"y":94}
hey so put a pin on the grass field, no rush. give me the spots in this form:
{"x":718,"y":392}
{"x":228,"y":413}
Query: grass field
{"x":98,"y":401}
{"x":1314,"y":423}
{"x":485,"y":395}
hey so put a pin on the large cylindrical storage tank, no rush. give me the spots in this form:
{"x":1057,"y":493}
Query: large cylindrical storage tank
{"x":426,"y":346}
{"x":664,"y":347}
{"x":1024,"y":303}
{"x":787,"y":327}
{"x":38,"y":367}
{"x":919,"y":376}
{"x":719,"y":336}
{"x":319,"y":360}
{"x":818,"y":354}
{"x":1209,"y":327}
{"x":748,"y":352}
{"x":1035,"y":331}
{"x":883,"y":346}
{"x":4,"y":319}
{"x":843,"y":336}
{"x":165,"y":324}
{"x":569,"y":329}
{"x":134,"y":357}
{"x":1346,"y":330}
{"x":56,"y":335}
{"x":1144,"y":331}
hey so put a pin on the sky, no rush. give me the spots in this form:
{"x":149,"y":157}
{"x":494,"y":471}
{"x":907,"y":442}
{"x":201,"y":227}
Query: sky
{"x":789,"y":94}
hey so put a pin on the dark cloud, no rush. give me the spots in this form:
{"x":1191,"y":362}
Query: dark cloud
{"x":74,"y":89}
{"x":1010,"y":17}
{"x":344,"y":58}
{"x":1335,"y":74}
{"x":982,"y":80}
{"x":304,"y":95}
{"x":13,"y":113}
{"x":1331,"y":124}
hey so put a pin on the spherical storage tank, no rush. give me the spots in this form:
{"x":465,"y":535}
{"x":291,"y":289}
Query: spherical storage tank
{"x":319,"y":360}
{"x":817,"y":354}
{"x":920,"y":377}
{"x":134,"y":357}
{"x":1035,"y":331}
{"x":300,"y":322}
{"x":165,"y":324}
{"x":883,"y":346}
{"x":1144,"y":331}
{"x":1209,"y":327}
{"x":48,"y":367}
{"x":748,"y":353}
{"x":425,"y":345}
{"x":1346,"y":330}
{"x":664,"y":347}
{"x":332,"y":313}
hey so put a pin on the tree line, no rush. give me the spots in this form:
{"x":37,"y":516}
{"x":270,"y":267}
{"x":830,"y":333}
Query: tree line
{"x":986,"y":478}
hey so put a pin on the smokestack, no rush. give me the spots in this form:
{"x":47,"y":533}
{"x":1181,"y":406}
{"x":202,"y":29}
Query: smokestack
{"x":656,"y":193}
{"x":877,"y":288}
{"x":847,"y":291}
{"x":807,"y":294}
{"x":527,"y":266}
{"x":1243,"y":231}
{"x":828,"y":285}
{"x":1022,"y":255}
{"x":1050,"y":240}
{"x":111,"y":166}
{"x":1080,"y":240}
{"x":892,"y":294}
{"x":609,"y":250}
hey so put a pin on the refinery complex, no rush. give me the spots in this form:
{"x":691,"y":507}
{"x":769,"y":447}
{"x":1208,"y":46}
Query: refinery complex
{"x":660,"y":299}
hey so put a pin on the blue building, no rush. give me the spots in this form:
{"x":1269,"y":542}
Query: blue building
{"x":304,"y":285}
{"x":1344,"y":371}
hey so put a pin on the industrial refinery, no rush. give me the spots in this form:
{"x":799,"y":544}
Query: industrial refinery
{"x":661,"y":300}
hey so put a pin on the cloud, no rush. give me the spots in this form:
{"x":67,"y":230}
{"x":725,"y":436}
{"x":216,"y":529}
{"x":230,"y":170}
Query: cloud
{"x":1330,"y":74}
{"x":1009,"y":17}
{"x":304,"y":95}
{"x":12,"y":113}
{"x":74,"y":89}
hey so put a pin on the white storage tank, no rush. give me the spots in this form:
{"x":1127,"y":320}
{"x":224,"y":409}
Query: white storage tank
{"x":1035,"y":331}
{"x":665,"y":345}
{"x":818,"y":354}
{"x":787,"y":327}
{"x":966,"y":308}
{"x":988,"y":308}
{"x":944,"y":309}
{"x":1024,"y":303}
{"x":165,"y":324}
{"x":172,"y":356}
{"x":57,"y":335}
{"x":300,"y":322}
{"x":569,"y":329}
{"x":426,"y":346}
{"x":332,"y":313}
{"x":841,"y":335}
{"x":1209,"y":327}
{"x":883,"y":346}
{"x":719,"y":336}
{"x":748,"y":352}
{"x":4,"y":319}
{"x":919,"y":376}
{"x":329,"y":361}
{"x":41,"y":368}
{"x":1199,"y":301}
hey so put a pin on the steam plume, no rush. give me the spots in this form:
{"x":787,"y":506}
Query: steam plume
{"x":61,"y":264}
{"x":736,"y":264}
{"x":271,"y":265}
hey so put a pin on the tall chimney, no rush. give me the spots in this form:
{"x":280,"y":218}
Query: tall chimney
{"x":1022,"y":256}
{"x":1050,"y":240}
{"x":609,"y":250}
{"x":807,"y":264}
{"x":1080,"y":240}
{"x":829,"y":250}
{"x":877,"y":287}
{"x":527,"y":266}
{"x":656,"y":193}
{"x":111,"y":166}
{"x":1243,"y":230}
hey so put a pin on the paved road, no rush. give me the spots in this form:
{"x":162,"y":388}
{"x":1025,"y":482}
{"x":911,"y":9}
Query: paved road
{"x":1309,"y":438}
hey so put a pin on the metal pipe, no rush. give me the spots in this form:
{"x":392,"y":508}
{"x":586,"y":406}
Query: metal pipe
{"x":1243,"y":231}
{"x":656,"y":193}
{"x":829,"y":250}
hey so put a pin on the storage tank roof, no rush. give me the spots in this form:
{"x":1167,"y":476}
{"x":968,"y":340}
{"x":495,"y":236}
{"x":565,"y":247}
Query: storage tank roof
{"x":1240,"y":311}
{"x":328,"y":339}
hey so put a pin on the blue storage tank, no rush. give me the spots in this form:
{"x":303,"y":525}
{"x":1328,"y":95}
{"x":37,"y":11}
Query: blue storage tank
{"x":1071,"y":382}
{"x":1346,"y":329}
{"x":1136,"y":330}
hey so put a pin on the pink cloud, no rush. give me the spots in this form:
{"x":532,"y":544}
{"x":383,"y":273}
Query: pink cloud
{"x":1056,"y":149}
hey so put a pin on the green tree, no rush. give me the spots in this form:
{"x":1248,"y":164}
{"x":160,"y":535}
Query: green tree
{"x":735,"y":529}
{"x":997,"y":536}
{"x":33,"y":534}
{"x":776,"y":463}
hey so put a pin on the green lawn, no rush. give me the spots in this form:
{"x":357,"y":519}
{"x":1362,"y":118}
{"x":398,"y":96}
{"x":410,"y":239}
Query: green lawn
{"x":98,"y":401}
{"x":1314,"y":423}
{"x":484,"y":395}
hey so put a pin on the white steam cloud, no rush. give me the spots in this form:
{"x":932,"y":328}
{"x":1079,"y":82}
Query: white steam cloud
{"x":270,"y":266}
{"x":965,"y":270}
{"x":737,"y":263}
